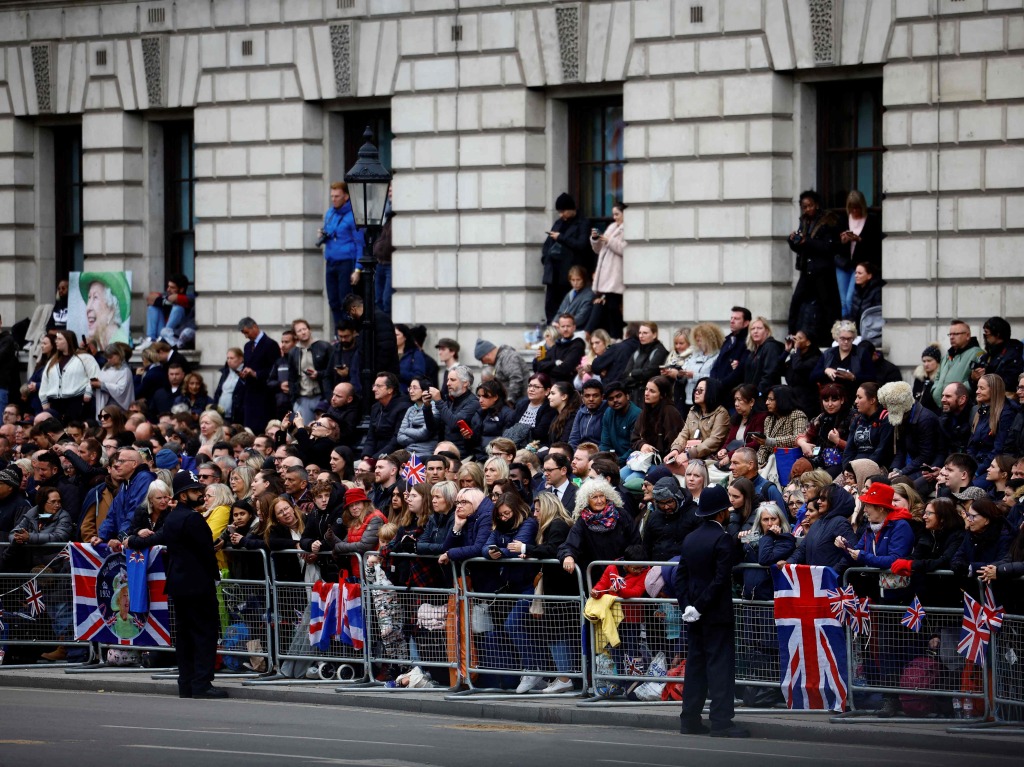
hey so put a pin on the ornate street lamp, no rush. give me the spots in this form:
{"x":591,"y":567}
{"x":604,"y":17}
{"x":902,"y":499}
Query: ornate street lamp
{"x":368,"y":183}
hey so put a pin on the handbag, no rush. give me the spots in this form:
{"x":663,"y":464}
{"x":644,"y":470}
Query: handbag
{"x":537,"y":605}
{"x":641,"y":462}
{"x":893,"y":582}
{"x":480,"y":618}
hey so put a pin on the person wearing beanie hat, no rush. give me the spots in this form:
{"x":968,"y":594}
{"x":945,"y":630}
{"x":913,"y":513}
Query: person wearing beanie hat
{"x":509,"y":367}
{"x":672,"y":518}
{"x":567,"y":245}
{"x":13,"y":503}
{"x":924,"y":377}
{"x":166,"y":459}
{"x":703,"y":585}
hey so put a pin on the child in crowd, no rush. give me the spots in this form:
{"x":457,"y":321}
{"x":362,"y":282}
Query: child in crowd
{"x":626,"y":582}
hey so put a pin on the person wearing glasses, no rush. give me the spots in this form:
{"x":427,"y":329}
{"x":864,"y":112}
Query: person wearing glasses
{"x":134,"y":479}
{"x":959,"y":360}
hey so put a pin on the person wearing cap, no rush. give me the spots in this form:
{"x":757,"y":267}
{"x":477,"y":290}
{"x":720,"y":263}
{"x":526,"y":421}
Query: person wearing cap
{"x":13,"y":503}
{"x":107,"y":298}
{"x":509,"y":367}
{"x":359,"y":528}
{"x":618,"y":421}
{"x":567,"y":244}
{"x":192,"y":576}
{"x":703,"y":586}
{"x":308,"y":361}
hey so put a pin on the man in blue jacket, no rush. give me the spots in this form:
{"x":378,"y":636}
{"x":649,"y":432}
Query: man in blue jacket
{"x":586,"y":426}
{"x":135,"y":479}
{"x":617,"y":422}
{"x":342,"y":247}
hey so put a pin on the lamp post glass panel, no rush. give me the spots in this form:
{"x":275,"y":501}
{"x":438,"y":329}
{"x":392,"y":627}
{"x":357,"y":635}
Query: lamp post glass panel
{"x":368,"y":183}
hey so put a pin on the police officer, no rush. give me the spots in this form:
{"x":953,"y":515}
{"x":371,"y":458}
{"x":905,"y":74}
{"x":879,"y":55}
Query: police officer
{"x":192,"y":583}
{"x":703,"y":582}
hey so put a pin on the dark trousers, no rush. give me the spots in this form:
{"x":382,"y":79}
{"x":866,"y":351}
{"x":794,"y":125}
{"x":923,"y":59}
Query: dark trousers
{"x":198,"y":622}
{"x":710,"y":668}
{"x":553,"y":295}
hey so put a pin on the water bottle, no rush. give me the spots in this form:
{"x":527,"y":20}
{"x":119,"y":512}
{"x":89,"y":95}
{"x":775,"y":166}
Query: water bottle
{"x":957,"y":709}
{"x":968,"y":708}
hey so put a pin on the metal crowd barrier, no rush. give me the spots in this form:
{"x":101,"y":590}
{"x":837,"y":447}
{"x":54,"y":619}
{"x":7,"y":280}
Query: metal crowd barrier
{"x":877,"y":663}
{"x":38,"y":608}
{"x":295,"y":655}
{"x":503,"y":641}
{"x":410,"y":626}
{"x":1007,"y":675}
{"x":614,"y":671}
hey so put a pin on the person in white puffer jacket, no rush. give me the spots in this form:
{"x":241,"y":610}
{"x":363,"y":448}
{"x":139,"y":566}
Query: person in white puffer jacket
{"x":69,"y":378}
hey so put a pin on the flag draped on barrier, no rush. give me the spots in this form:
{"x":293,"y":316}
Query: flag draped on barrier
{"x":812,"y":645}
{"x":102,"y":586}
{"x":336,"y":611}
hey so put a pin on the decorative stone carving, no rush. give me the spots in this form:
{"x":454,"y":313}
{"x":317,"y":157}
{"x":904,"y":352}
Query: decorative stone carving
{"x":152,"y":59}
{"x":341,"y":50}
{"x":567,"y":19}
{"x":42,"y":65}
{"x":823,"y":30}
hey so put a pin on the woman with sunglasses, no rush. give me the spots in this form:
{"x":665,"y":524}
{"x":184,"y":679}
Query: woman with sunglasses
{"x":112,"y":419}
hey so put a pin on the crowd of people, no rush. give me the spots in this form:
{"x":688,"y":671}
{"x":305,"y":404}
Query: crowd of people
{"x":600,"y":448}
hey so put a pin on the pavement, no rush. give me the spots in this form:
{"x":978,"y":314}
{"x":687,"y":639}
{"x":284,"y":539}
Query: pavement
{"x":770,"y":724}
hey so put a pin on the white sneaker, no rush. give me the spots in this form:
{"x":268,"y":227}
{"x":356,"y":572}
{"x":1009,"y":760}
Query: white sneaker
{"x":528,"y":682}
{"x":558,"y":686}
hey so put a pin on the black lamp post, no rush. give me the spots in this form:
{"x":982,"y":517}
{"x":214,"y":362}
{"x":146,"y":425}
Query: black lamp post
{"x":368,"y":183}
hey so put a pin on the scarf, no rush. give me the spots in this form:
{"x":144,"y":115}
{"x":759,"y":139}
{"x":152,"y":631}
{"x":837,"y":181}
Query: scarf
{"x":600,"y":522}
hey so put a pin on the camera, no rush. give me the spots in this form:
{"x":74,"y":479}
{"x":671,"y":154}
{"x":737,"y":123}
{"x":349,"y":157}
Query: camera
{"x":324,"y":237}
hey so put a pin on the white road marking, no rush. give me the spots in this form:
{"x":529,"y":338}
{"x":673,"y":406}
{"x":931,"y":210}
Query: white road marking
{"x":304,"y":757}
{"x":263,"y":735}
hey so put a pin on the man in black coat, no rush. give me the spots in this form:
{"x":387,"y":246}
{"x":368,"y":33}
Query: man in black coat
{"x":192,"y":585}
{"x":703,"y":582}
{"x":384,"y":354}
{"x":815,"y":304}
{"x":732,"y":357}
{"x":567,"y":244}
{"x":671,"y":520}
{"x":563,"y":357}
{"x":385,"y":416}
{"x":260,"y":355}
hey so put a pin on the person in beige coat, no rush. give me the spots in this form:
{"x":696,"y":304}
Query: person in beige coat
{"x":608,"y":283}
{"x":707,"y":423}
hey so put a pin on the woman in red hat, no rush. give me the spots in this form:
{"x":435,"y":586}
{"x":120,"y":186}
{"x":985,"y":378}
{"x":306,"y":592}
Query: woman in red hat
{"x":362,"y":525}
{"x":888,"y":537}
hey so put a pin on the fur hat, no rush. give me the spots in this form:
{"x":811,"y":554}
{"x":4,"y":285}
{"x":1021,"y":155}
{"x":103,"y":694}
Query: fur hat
{"x":896,"y":397}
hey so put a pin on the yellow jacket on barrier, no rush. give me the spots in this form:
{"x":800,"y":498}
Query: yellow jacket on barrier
{"x":606,"y":612}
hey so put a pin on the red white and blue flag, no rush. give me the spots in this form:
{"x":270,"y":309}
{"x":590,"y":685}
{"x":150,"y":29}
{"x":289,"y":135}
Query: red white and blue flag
{"x":812,"y":643}
{"x":103,"y":603}
{"x":993,"y":613}
{"x":617,"y":583}
{"x":974,"y":631}
{"x":353,"y":627}
{"x":34,"y":604}
{"x":914,"y":616}
{"x":860,"y":618}
{"x":841,"y":602}
{"x":413,"y":470}
{"x":323,"y":614}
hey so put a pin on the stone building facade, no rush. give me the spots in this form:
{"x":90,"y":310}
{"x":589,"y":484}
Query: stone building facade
{"x":203,"y":134}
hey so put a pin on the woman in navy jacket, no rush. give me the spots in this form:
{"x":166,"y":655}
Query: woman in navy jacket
{"x":935,"y":548}
{"x":870,"y":431}
{"x":992,"y":423}
{"x":987,"y":541}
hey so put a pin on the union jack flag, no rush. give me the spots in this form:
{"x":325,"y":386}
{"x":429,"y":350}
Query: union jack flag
{"x":634,"y":666}
{"x":618,"y":583}
{"x":812,"y":642}
{"x":993,"y":613}
{"x":350,"y":614}
{"x":323,"y":614}
{"x":841,"y":603}
{"x":914,"y":616}
{"x":860,"y":619}
{"x":34,"y":599}
{"x":413,"y":470}
{"x":974,"y":631}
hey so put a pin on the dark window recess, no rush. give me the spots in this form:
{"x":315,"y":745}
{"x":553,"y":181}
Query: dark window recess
{"x":850,"y":142}
{"x":595,"y":156}
{"x":696,"y":14}
{"x":101,"y":57}
{"x":67,"y":203}
{"x":379,"y":121}
{"x":247,"y":47}
{"x":157,"y":15}
{"x":179,"y":198}
{"x":456,"y":33}
{"x":343,"y":4}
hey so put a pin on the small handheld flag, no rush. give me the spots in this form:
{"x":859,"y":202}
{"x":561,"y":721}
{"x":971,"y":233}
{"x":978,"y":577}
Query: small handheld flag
{"x":914,"y":616}
{"x":34,"y":599}
{"x":974,"y":631}
{"x":413,"y":471}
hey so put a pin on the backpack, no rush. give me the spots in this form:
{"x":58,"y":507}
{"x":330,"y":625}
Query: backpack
{"x":674,"y":690}
{"x":920,"y":674}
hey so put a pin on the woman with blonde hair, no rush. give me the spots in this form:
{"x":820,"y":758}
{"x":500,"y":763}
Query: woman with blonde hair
{"x":117,"y":386}
{"x":707,"y":342}
{"x":766,"y":360}
{"x":600,"y":341}
{"x":211,"y":428}
{"x":495,"y":469}
{"x":471,"y":475}
{"x":216,"y":510}
{"x":240,"y":481}
{"x":992,"y":421}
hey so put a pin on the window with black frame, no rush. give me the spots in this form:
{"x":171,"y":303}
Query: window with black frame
{"x":67,"y":203}
{"x":596,"y":157}
{"x":379,"y":121}
{"x":180,"y":197}
{"x":850,"y":142}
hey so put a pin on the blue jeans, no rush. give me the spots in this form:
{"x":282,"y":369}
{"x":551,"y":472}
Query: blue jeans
{"x":846,"y":287}
{"x":155,"y":325}
{"x":338,"y":278}
{"x":518,"y":626}
{"x":383,"y":289}
{"x":4,"y":398}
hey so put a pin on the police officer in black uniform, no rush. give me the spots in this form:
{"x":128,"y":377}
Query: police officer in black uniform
{"x":192,"y":576}
{"x":703,"y":582}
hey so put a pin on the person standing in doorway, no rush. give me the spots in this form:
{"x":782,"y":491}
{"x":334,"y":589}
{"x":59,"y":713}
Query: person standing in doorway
{"x":341,"y":243}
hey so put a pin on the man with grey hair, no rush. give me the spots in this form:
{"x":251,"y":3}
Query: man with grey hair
{"x":459,"y":410}
{"x":747,"y":468}
{"x":296,"y":487}
{"x":260,"y":355}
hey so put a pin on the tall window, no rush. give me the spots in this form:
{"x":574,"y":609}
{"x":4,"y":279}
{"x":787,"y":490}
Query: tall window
{"x":379,"y":121}
{"x":850,"y":142}
{"x":595,"y":155}
{"x":67,"y":204}
{"x":180,"y":197}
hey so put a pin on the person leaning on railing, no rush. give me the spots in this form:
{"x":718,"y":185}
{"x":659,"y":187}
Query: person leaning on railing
{"x":934,"y":550}
{"x":1002,"y":575}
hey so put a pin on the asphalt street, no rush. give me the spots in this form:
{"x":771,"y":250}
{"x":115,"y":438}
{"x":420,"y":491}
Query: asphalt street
{"x":64,"y":727}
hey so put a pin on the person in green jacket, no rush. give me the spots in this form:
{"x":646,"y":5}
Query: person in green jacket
{"x":956,"y":365}
{"x":617,"y":421}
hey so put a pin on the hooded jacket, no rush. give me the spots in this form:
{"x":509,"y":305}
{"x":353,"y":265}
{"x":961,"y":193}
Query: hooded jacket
{"x":818,"y":546}
{"x":664,"y":533}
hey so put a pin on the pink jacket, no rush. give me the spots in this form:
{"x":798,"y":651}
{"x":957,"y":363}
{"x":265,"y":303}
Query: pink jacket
{"x":608,"y":274}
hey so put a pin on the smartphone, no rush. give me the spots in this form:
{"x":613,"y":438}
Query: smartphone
{"x":757,"y":434}
{"x":463,"y":426}
{"x":670,"y":460}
